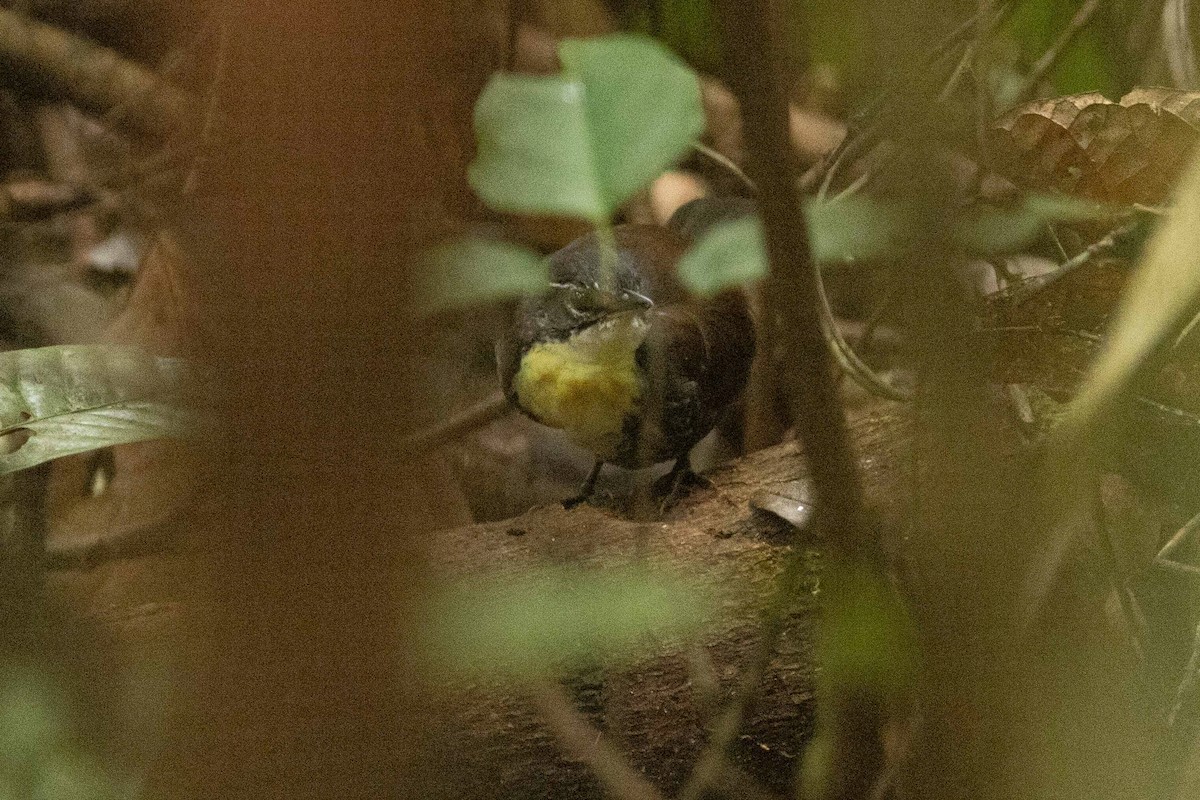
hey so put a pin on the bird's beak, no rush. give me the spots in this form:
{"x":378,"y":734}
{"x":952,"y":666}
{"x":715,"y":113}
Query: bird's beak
{"x":625,"y":300}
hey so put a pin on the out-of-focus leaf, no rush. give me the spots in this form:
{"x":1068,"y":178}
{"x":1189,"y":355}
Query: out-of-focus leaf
{"x":733,"y":252}
{"x":39,"y":756}
{"x":1086,"y":145}
{"x":643,"y":109}
{"x":534,"y":153}
{"x":1005,"y":230}
{"x":474,"y":270}
{"x":687,"y":26}
{"x":852,"y":228}
{"x":579,"y":144}
{"x":868,"y":654}
{"x":533,"y":624}
{"x":1159,"y":299}
{"x":1083,"y":66}
{"x":868,"y":639}
{"x":76,"y":398}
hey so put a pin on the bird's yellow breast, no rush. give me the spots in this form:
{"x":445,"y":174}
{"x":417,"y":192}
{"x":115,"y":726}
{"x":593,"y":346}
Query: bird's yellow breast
{"x":586,"y":385}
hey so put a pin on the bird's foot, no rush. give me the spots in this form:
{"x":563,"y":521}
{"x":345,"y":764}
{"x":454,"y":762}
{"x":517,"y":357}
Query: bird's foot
{"x":577,"y":500}
{"x":678,"y":484}
{"x":587,"y":490}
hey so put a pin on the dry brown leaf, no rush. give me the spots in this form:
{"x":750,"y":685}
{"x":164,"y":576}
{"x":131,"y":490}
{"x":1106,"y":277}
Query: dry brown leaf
{"x":150,"y":482}
{"x":1131,"y":151}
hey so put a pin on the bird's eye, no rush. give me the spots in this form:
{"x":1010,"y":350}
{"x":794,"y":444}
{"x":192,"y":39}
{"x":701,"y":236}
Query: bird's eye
{"x":583,"y":301}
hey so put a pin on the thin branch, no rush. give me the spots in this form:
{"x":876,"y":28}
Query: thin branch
{"x":586,"y":743}
{"x":38,"y":200}
{"x":437,"y":436}
{"x":753,"y":69}
{"x":1042,"y":67}
{"x":726,"y":163}
{"x":1031,"y":287}
{"x":95,"y":78}
{"x":712,"y":766}
{"x":770,"y":164}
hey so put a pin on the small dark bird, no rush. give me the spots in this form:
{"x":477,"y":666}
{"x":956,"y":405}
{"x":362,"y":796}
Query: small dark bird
{"x":620,"y":357}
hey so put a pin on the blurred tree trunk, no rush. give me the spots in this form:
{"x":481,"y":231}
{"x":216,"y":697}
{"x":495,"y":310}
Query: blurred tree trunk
{"x":321,"y":191}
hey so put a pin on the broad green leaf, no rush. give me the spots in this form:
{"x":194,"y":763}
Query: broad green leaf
{"x":1005,"y":230}
{"x":476,"y":270}
{"x":643,"y":109}
{"x":579,"y":144}
{"x":536,"y":623}
{"x":77,"y":398}
{"x":534,"y":150}
{"x":734,"y":252}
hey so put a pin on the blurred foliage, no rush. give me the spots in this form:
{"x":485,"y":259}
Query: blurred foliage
{"x":473,"y":270}
{"x":1158,"y":303}
{"x":39,"y":757}
{"x":580,"y":144}
{"x":858,"y":228}
{"x":1087,"y":65}
{"x":535,"y":623}
{"x":1000,"y":230}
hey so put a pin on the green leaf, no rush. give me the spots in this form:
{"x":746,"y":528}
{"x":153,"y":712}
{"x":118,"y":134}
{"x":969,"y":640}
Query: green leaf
{"x":534,"y":154}
{"x":476,"y":270}
{"x":580,"y":144}
{"x":734,"y":251}
{"x":643,"y":108}
{"x":77,"y":398}
{"x":40,"y":756}
{"x":536,"y":623}
{"x":854,"y":227}
{"x":731,"y":253}
{"x":1005,"y":230}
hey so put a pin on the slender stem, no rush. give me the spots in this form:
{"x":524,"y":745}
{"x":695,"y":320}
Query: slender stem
{"x":851,"y":707}
{"x":436,"y":436}
{"x":1042,"y":67}
{"x":770,"y":164}
{"x":579,"y":738}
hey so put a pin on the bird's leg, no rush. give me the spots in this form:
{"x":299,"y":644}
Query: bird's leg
{"x":588,"y":489}
{"x":679,"y":481}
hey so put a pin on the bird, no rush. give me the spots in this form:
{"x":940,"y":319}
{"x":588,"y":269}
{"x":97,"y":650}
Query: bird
{"x":620,"y":357}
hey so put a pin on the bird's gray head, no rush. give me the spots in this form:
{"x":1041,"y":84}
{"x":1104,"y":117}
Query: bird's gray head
{"x":580,"y":295}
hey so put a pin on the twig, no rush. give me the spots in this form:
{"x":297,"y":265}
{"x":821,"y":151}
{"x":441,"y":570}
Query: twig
{"x":37,"y":200}
{"x":211,"y":112}
{"x":1041,"y":68}
{"x":856,"y":754}
{"x":1185,"y":694}
{"x":1026,"y":290}
{"x":865,"y":134}
{"x":1177,"y":41}
{"x":713,"y":763}
{"x":95,"y":78}
{"x":61,"y":143}
{"x":725,"y":162}
{"x":437,"y":436}
{"x":587,"y":744}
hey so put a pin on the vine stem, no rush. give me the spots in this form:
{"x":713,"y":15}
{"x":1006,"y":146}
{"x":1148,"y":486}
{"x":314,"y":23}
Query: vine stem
{"x":851,"y":707}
